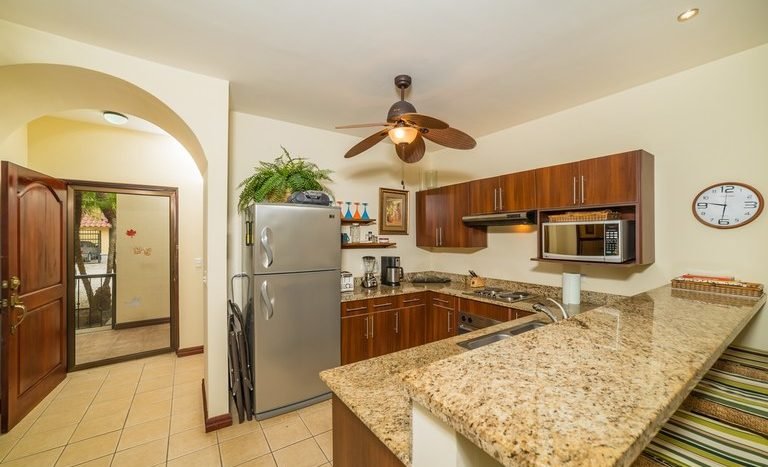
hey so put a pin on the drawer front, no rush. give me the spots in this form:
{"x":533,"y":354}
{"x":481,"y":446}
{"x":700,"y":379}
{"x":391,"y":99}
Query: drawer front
{"x":412,"y":299}
{"x":488,"y":310}
{"x":384,"y":303}
{"x":521,"y":313}
{"x":355,"y":307}
{"x":443,"y":300}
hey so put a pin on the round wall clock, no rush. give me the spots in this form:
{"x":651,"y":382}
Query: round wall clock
{"x":727,"y":205}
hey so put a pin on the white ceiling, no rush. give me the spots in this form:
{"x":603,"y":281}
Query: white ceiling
{"x":480,"y":65}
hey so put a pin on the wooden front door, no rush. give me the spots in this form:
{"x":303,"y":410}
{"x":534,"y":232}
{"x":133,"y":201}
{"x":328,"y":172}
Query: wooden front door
{"x":33,"y":359}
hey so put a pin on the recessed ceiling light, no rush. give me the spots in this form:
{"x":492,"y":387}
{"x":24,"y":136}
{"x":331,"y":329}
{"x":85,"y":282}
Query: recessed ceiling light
{"x":687,"y":14}
{"x":114,"y":118}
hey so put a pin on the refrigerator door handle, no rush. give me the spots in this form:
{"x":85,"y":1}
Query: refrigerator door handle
{"x":267,"y":301}
{"x":264,"y":237}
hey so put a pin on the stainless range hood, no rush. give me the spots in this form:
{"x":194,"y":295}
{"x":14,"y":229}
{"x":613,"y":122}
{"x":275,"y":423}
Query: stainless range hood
{"x":503,"y":218}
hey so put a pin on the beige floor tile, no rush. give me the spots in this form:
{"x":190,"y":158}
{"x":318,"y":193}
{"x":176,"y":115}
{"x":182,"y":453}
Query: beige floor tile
{"x":42,"y":459}
{"x":141,"y":413}
{"x":263,"y":461}
{"x":145,"y":455}
{"x":110,"y":407}
{"x":105,"y":461}
{"x":208,"y":457}
{"x":325,"y":441}
{"x":143,"y":433}
{"x":150,"y":384}
{"x":318,"y":418}
{"x":249,"y":446}
{"x":188,"y":441}
{"x":6,"y":444}
{"x":156,"y":395}
{"x":237,"y":429}
{"x":303,"y":454}
{"x":39,"y":442}
{"x":185,"y":389}
{"x":185,"y":421}
{"x":98,"y":426}
{"x":51,"y":422}
{"x":187,"y":403}
{"x":89,"y":449}
{"x":157,"y":371}
{"x":114,"y":392}
{"x":287,"y":430}
{"x":189,"y":376}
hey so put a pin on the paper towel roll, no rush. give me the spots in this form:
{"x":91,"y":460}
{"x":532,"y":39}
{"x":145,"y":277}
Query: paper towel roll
{"x":571,"y":288}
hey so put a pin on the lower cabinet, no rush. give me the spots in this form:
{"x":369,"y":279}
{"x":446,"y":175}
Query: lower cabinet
{"x":441,"y":316}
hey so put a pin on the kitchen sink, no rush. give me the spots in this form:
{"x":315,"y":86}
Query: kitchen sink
{"x":497,"y":336}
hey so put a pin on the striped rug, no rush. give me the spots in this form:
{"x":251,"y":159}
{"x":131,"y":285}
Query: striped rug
{"x":688,"y":439}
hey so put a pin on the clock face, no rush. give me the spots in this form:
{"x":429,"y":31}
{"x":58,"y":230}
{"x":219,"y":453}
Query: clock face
{"x":727,"y":205}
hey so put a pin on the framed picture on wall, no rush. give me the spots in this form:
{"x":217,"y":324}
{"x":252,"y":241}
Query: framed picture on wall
{"x":393,"y":212}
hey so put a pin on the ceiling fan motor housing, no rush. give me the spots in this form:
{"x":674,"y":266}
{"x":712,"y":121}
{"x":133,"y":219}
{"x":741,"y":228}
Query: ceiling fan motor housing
{"x":399,"y":108}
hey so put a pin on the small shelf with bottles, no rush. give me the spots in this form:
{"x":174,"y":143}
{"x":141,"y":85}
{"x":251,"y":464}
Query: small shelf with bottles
{"x":354,"y":246}
{"x":357,"y":221}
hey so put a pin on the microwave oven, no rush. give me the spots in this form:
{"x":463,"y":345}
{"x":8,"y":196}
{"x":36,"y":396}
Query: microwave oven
{"x":610,"y":241}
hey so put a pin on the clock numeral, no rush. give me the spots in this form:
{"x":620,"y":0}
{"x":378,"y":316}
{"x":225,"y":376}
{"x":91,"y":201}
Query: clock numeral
{"x":737,"y":220}
{"x":724,"y":222}
{"x":705,"y":197}
{"x":748,"y":213}
{"x":703,"y":213}
{"x":750,"y":204}
{"x":702,"y":205}
{"x":727,"y":189}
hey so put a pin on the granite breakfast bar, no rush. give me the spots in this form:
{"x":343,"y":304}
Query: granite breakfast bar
{"x":589,"y":390}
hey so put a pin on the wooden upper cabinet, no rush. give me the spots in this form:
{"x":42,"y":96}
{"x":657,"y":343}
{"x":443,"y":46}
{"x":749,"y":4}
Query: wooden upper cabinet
{"x":609,"y":179}
{"x":556,"y":185}
{"x":511,"y":192}
{"x":600,"y":181}
{"x":438,"y":219}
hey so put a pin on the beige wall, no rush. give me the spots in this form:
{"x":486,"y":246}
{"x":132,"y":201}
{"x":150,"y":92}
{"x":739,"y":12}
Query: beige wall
{"x":14,"y":147}
{"x":83,"y":151}
{"x":705,"y":125}
{"x":255,"y":139}
{"x":143,"y":261}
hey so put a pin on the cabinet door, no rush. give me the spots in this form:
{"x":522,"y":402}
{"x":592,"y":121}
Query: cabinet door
{"x":488,"y":310}
{"x":384,"y":333}
{"x":355,"y":342}
{"x":427,"y":217}
{"x":483,"y":196}
{"x":517,"y":191}
{"x":454,"y":204}
{"x":412,"y":326}
{"x":557,"y":186}
{"x":609,"y":179}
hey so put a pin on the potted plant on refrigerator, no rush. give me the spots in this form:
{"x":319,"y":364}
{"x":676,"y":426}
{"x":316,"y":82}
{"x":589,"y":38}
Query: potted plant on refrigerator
{"x":275,"y":181}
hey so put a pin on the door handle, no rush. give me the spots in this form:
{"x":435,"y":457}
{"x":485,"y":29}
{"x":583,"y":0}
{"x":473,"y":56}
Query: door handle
{"x":366,"y":327}
{"x":582,"y":189}
{"x":501,"y":200}
{"x":264,"y":236}
{"x":397,"y":322}
{"x":495,"y":208}
{"x":437,"y":236}
{"x":16,"y":305}
{"x":450,"y":314}
{"x":574,"y":190}
{"x":268,"y":302}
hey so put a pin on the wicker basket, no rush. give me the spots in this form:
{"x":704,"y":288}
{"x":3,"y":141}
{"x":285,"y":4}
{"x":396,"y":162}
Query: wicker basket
{"x":744,"y":289}
{"x":585,"y":216}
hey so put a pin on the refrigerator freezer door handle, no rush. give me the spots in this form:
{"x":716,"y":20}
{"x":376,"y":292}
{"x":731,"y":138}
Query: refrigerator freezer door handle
{"x":267,"y":301}
{"x":264,"y":237}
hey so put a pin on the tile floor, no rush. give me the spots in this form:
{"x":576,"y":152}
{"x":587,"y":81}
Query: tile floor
{"x":149,"y":413}
{"x":95,"y":345}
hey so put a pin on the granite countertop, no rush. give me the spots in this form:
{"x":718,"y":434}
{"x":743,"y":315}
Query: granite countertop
{"x":591,"y":389}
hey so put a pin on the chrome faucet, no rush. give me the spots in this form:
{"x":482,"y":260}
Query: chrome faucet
{"x":541,"y":308}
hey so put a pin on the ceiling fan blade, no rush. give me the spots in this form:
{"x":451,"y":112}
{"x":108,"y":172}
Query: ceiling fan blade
{"x":450,"y":138}
{"x":413,"y":152}
{"x":363,"y":125}
{"x":366,"y":144}
{"x":424,"y":121}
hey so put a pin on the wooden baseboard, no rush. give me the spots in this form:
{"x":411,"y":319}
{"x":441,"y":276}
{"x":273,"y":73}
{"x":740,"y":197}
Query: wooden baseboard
{"x":187,"y":351}
{"x":214,"y":423}
{"x":144,"y":322}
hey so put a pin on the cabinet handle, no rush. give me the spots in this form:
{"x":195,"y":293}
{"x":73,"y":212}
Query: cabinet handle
{"x":441,"y":236}
{"x":437,"y":236}
{"x":372,"y":327}
{"x":381,"y":304}
{"x":574,"y":190}
{"x":411,"y":300}
{"x":501,"y":199}
{"x":440,"y":300}
{"x":356,"y":309}
{"x":397,"y":322}
{"x":582,"y":189}
{"x":450,"y":314}
{"x":495,"y":206}
{"x":366,"y":327}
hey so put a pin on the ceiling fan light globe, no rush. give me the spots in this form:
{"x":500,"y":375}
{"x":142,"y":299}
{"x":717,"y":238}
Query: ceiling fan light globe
{"x":403,"y":134}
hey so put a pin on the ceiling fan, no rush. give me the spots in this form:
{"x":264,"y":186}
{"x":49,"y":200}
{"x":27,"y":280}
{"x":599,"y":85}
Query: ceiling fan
{"x":407,"y":129}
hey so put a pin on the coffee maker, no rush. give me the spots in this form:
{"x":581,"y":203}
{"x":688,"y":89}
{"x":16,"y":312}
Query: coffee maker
{"x":391,"y":272}
{"x":369,"y":276}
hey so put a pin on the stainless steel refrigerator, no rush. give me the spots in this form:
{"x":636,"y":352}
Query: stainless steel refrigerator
{"x":292,"y":254}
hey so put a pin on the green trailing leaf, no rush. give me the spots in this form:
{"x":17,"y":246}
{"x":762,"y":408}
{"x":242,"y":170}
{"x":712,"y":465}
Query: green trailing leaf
{"x":275,"y":181}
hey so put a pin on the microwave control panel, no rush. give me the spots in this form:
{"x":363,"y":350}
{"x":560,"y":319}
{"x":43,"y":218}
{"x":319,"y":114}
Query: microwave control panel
{"x":611,"y":239}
